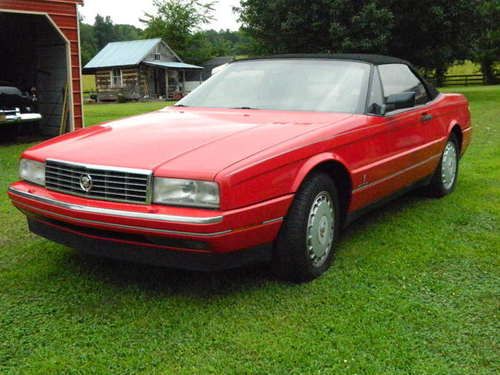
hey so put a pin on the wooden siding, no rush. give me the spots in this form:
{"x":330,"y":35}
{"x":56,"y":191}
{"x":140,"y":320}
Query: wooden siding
{"x":129,"y":79}
{"x":65,"y":15}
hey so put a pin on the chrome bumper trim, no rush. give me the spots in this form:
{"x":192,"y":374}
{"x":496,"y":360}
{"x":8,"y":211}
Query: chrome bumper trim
{"x":27,"y":209}
{"x":120,"y":213}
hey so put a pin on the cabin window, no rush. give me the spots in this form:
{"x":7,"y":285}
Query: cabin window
{"x":157,"y":56}
{"x":116,"y":78}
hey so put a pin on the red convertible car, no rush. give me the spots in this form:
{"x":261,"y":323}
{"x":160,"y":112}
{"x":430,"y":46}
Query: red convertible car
{"x":266,"y":161}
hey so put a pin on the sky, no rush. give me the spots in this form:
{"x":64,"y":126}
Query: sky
{"x":129,"y":11}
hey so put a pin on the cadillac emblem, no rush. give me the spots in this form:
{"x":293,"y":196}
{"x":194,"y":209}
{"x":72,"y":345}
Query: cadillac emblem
{"x":86,"y":182}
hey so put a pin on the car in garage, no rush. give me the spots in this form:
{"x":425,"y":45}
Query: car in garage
{"x":16,"y":108}
{"x":266,"y":161}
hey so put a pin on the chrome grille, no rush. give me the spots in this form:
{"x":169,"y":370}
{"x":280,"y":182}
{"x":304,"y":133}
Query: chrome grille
{"x":107,"y":183}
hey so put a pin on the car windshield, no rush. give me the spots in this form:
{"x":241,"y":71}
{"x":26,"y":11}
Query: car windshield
{"x":318,"y":85}
{"x":7,"y":90}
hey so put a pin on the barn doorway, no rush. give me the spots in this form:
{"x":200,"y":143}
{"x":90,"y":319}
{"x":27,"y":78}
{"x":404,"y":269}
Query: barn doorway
{"x":35,"y":59}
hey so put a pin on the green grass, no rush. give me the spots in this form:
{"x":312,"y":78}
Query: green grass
{"x":468,"y":67}
{"x":415,"y":289}
{"x":98,"y":113}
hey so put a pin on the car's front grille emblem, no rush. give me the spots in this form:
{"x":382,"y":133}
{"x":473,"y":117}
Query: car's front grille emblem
{"x":86,"y":182}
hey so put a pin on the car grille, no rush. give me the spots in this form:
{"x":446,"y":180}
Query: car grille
{"x":119,"y":185}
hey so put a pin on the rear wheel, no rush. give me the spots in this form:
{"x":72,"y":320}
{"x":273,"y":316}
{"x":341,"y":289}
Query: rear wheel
{"x":445,"y":178}
{"x":305,"y":246}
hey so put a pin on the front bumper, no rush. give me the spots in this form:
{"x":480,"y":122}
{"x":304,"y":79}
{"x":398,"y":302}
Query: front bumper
{"x":18,"y":118}
{"x":194,"y":261}
{"x":157,"y":227}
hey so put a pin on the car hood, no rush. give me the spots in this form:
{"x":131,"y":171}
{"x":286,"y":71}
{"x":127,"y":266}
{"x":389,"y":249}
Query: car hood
{"x":178,"y":142}
{"x":10,"y":101}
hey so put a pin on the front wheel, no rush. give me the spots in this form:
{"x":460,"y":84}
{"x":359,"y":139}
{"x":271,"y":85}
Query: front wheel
{"x":305,"y":245}
{"x":445,"y":178}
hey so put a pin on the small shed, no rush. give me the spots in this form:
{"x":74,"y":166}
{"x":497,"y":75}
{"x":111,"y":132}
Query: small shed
{"x":142,"y":68}
{"x":210,"y":65}
{"x":39,"y":47}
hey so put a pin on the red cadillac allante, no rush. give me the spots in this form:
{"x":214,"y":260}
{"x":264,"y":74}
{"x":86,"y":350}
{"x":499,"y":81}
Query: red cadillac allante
{"x":266,"y":161}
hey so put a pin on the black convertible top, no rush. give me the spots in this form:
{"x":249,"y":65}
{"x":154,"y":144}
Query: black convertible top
{"x":369,"y":58}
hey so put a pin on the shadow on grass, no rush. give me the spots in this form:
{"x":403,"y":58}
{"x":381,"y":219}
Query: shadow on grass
{"x":167,"y":281}
{"x":393,"y":208}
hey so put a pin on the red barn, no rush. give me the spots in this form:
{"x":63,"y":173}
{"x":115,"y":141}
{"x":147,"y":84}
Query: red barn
{"x":39,"y":47}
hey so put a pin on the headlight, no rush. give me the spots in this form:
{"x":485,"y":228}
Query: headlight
{"x":191,"y":193}
{"x":32,"y":171}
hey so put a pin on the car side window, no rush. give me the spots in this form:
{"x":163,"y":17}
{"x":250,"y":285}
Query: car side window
{"x":398,"y":79}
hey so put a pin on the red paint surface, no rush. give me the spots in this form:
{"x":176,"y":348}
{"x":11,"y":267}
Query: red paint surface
{"x":259,"y":158}
{"x":65,"y":15}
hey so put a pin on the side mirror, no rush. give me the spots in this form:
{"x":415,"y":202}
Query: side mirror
{"x":399,"y":101}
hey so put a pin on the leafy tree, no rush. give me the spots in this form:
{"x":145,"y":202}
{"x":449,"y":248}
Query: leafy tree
{"x":487,"y":43}
{"x":231,"y":43}
{"x":178,"y":23}
{"x":127,"y":32}
{"x":88,"y":45}
{"x":293,"y":26}
{"x":104,"y":31}
{"x":431,"y":33}
{"x":95,"y":37}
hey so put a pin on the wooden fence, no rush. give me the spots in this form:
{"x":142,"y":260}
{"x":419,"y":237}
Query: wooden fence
{"x":463,"y":79}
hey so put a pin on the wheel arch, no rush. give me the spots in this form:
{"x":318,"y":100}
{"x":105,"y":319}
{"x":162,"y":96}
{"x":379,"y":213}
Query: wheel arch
{"x":456,"y":130}
{"x":333,"y":166}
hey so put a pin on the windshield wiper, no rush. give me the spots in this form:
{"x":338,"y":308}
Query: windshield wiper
{"x":244,"y":108}
{"x":181,"y":105}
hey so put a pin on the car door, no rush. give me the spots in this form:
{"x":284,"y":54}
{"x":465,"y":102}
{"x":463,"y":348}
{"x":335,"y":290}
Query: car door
{"x":398,"y":151}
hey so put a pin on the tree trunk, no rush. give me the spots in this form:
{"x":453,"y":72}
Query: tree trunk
{"x":440,"y":75}
{"x":487,"y":70}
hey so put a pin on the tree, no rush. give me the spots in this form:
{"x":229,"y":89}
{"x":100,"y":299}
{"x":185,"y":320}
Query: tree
{"x":88,"y":45}
{"x":104,"y":31}
{"x":293,"y":26}
{"x":431,"y":33}
{"x":95,"y":37}
{"x":177,"y":22}
{"x":127,"y":32}
{"x":487,"y":43}
{"x":230,"y":43}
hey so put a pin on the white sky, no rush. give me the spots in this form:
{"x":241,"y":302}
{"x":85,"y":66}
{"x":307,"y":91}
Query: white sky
{"x":129,"y":12}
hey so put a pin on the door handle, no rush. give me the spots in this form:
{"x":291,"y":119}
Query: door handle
{"x":426,"y":117}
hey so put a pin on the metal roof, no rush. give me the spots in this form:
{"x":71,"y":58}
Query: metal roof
{"x":172,"y":64}
{"x":123,"y":53}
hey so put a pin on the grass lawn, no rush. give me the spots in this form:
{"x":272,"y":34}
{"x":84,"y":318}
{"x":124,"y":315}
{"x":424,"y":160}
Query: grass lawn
{"x":97,"y":113}
{"x":415,"y":289}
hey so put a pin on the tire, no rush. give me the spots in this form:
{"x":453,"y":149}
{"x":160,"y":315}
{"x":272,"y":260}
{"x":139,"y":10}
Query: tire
{"x":445,"y":177}
{"x":304,"y":248}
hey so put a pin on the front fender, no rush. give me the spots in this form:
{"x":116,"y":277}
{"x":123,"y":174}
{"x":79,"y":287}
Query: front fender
{"x":311,"y":164}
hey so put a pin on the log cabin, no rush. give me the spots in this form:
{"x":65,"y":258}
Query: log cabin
{"x":142,"y":69}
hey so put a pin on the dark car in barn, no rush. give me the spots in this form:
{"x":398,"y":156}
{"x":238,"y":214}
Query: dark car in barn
{"x":16,"y":108}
